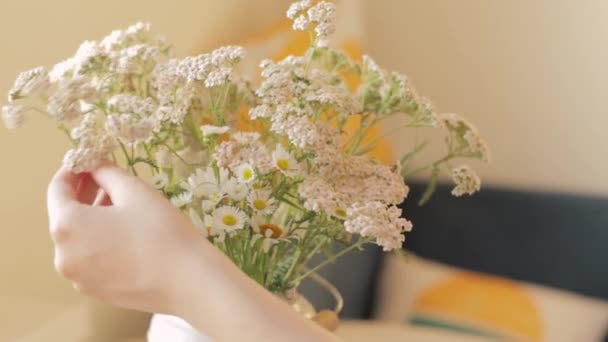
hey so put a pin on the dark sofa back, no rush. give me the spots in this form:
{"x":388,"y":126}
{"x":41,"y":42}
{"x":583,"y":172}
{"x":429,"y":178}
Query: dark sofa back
{"x":551,"y":239}
{"x":556,"y":240}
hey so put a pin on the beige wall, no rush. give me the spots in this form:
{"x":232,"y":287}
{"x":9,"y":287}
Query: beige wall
{"x":44,"y":32}
{"x":533,"y":75}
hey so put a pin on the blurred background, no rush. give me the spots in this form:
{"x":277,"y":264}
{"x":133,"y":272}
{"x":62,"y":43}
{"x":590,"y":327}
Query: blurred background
{"x":531,"y":75}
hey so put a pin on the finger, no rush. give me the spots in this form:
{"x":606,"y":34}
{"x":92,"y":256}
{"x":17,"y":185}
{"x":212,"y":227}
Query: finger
{"x":85,"y":290}
{"x":102,"y":199}
{"x":65,"y":265}
{"x":73,"y":221}
{"x":64,"y":210}
{"x":86,"y":189}
{"x":117,"y":183}
{"x":89,"y":192}
{"x":61,"y":191}
{"x":66,"y":214}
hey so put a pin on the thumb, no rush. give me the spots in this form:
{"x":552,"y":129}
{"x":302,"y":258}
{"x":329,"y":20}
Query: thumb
{"x":118,"y":183}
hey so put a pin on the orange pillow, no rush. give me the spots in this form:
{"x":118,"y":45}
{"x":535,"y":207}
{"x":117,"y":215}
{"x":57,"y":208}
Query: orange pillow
{"x":427,"y":293}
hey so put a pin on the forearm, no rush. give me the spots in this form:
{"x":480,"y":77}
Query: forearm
{"x":219,"y":300}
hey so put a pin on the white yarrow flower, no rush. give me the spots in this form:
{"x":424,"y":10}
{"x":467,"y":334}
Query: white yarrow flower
{"x":29,"y":83}
{"x":301,"y":23}
{"x":298,"y":7}
{"x":60,"y":70}
{"x":324,"y":14}
{"x":378,"y":221}
{"x":466,"y":180}
{"x":91,"y":151}
{"x":13,"y":115}
{"x":465,"y":135}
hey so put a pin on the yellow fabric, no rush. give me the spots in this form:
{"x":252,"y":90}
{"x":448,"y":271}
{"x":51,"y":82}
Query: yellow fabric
{"x":430,"y":294}
{"x":483,"y":301}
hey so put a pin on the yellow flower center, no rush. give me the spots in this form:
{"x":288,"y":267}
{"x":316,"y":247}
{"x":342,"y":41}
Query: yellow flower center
{"x":259,"y":204}
{"x":340,"y":212}
{"x":276,"y":230}
{"x":283,"y":164}
{"x":229,"y":220}
{"x":247,"y":174}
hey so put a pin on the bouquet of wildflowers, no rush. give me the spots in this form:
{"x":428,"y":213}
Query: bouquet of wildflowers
{"x":266,"y":172}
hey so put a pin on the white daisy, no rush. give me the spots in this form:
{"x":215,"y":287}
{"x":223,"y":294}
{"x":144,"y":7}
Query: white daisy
{"x":198,"y":222}
{"x":236,"y":190}
{"x":340,"y":213}
{"x":269,"y":232}
{"x":182,"y":199}
{"x":284,"y":161}
{"x":208,"y":205}
{"x":217,"y":235}
{"x":228,"y":219}
{"x":159,"y":181}
{"x":205,"y":183}
{"x":261,"y":201}
{"x":245,"y":173}
{"x":199,"y":181}
{"x":214,"y":130}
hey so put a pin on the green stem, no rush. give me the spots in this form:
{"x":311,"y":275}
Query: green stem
{"x":313,"y":251}
{"x":332,"y":260}
{"x":361,"y":133}
{"x":224,"y":99}
{"x":294,"y":264}
{"x":195,"y":130}
{"x":432,"y":166}
{"x":171,"y":150}
{"x":370,"y":146}
{"x":150,"y":163}
{"x":129,"y":160}
{"x":68,"y":134}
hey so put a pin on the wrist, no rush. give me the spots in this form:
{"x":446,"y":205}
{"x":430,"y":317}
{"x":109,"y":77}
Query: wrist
{"x":209,"y":291}
{"x":188,"y":275}
{"x":217,"y":298}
